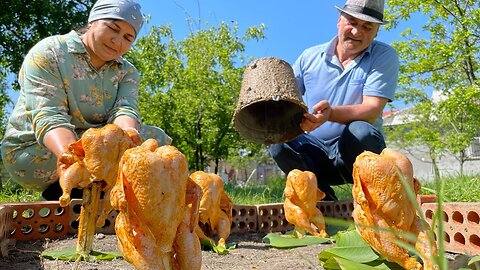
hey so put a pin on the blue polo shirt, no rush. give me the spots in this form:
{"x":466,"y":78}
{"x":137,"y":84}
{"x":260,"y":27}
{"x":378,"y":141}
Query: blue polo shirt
{"x":320,"y":76}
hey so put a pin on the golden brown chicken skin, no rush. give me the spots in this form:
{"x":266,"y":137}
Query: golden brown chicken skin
{"x":300,"y":205}
{"x":215,"y":213}
{"x":381,"y":200}
{"x":158,"y":209}
{"x":93,"y":158}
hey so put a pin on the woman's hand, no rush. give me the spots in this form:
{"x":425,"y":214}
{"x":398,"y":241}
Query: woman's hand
{"x":321,"y":114}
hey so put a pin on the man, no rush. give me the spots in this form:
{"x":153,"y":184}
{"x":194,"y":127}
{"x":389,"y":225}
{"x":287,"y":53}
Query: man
{"x":346,"y":84}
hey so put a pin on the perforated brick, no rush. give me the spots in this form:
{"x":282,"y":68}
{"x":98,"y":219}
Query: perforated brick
{"x":75,"y":207}
{"x":39,"y":220}
{"x":461,"y":225}
{"x":271,"y":218}
{"x":244,"y":219}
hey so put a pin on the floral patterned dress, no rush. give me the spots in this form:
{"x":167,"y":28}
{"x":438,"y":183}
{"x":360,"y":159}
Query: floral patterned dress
{"x":60,"y":88}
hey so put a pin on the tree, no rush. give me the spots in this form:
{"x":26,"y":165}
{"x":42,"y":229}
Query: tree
{"x":445,"y":58}
{"x":24,"y":23}
{"x":190,"y":88}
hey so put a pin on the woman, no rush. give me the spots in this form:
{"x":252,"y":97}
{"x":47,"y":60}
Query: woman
{"x":70,"y":83}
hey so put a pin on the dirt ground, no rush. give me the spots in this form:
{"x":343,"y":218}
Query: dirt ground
{"x":250,"y":253}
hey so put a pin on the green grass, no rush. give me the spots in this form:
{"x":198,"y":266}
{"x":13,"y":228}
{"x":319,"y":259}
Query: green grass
{"x":456,"y":189}
{"x":12,"y":192}
{"x":272,"y":192}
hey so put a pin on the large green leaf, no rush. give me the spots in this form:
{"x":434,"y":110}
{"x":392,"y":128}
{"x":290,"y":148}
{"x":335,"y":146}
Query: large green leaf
{"x":350,"y":238}
{"x":352,"y":252}
{"x":278,"y":240}
{"x":70,"y":254}
{"x":349,"y":265}
{"x":361,"y":254}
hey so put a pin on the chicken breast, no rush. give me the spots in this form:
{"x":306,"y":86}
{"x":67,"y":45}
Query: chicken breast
{"x":215,"y":213}
{"x":158,"y":207}
{"x":381,"y":201}
{"x":300,"y":205}
{"x":93,"y":158}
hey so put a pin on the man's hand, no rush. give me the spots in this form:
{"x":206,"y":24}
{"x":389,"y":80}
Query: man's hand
{"x":321,"y":114}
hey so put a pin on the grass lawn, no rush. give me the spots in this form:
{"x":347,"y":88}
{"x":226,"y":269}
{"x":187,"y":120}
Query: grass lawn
{"x":453,"y":189}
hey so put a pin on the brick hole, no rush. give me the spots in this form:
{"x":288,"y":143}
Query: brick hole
{"x":77,"y":208}
{"x":43,"y":228}
{"x":344,"y":208}
{"x":263,"y":212}
{"x":264,"y":225}
{"x":44,"y":212}
{"x":107,"y":223}
{"x":445,"y":216}
{"x":251,"y":225}
{"x":27,"y":229}
{"x":473,"y":217}
{"x":457,"y":217}
{"x":274,"y":212}
{"x":337,"y":209}
{"x":328,"y":209}
{"x":429,"y":214}
{"x":242,"y":212}
{"x":447,"y":237}
{"x":242,"y":225}
{"x":15,"y":214}
{"x":28,"y":213}
{"x":59,"y":211}
{"x":350,"y":207}
{"x":322,"y":208}
{"x":459,"y":238}
{"x":284,"y":222}
{"x":251,"y":212}
{"x":58,"y":227}
{"x":282,"y":211}
{"x":234,"y":212}
{"x":273,"y":223}
{"x":475,"y":241}
{"x":233,"y":225}
{"x":74,"y":224}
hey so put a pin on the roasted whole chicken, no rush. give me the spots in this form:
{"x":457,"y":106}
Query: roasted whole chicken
{"x":381,"y":202}
{"x":215,"y":213}
{"x":301,"y":197}
{"x":93,"y":158}
{"x":158,"y":209}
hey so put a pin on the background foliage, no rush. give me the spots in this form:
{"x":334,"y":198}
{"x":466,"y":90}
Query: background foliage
{"x":26,"y":22}
{"x":190,"y":88}
{"x":444,"y":58}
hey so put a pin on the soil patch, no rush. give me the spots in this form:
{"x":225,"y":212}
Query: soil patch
{"x":250,"y":253}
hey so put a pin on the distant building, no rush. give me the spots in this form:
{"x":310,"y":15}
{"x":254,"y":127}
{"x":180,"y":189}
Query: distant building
{"x":422,"y":164}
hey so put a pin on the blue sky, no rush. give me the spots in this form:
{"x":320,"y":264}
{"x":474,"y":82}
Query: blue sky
{"x":291,"y":26}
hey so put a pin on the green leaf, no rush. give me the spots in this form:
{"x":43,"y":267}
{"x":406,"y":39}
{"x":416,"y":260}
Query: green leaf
{"x":330,"y":263}
{"x":474,"y":260}
{"x":219,"y":249}
{"x":70,"y":254}
{"x":348,"y":265}
{"x":278,"y":240}
{"x":360,"y":254}
{"x":350,"y":238}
